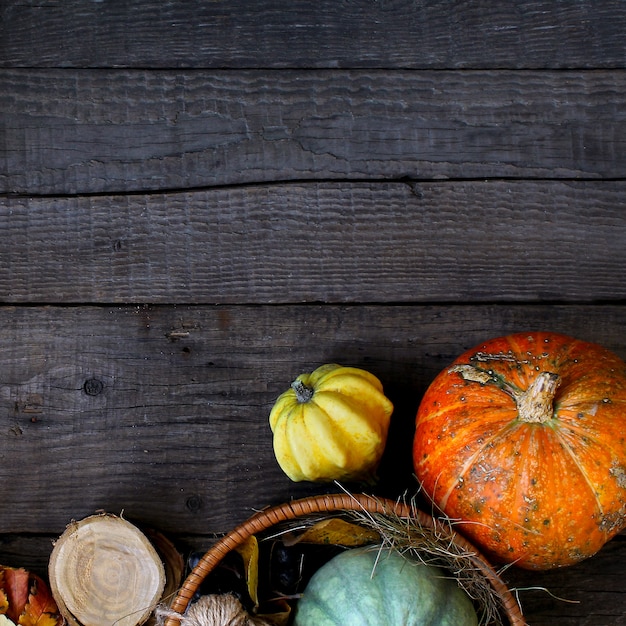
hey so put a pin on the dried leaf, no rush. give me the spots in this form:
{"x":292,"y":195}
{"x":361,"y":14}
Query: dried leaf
{"x":280,"y":616}
{"x":335,"y":531}
{"x":249,"y":552}
{"x":44,"y":619}
{"x":41,"y":609}
{"x":16,"y":589}
{"x":4,"y":600}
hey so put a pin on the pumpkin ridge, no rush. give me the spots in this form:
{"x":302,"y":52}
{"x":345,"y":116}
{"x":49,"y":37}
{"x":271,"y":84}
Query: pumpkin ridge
{"x":292,"y":435}
{"x":487,"y":444}
{"x":571,"y":390}
{"x":452,"y":407}
{"x":361,"y":406}
{"x":613,"y":401}
{"x":582,"y":417}
{"x":334,"y":453}
{"x":332,"y":378}
{"x":350,"y":407}
{"x":568,"y":448}
{"x":442,"y":411}
{"x":557,"y":346}
{"x":309,"y":430}
{"x":557,"y":355}
{"x":579,"y":435}
{"x":517,"y":348}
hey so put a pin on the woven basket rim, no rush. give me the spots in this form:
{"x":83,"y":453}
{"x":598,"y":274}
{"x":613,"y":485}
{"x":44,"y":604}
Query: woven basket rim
{"x":333,"y":503}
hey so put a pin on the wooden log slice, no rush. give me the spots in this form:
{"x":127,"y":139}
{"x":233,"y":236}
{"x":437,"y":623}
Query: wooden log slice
{"x":103,"y":571}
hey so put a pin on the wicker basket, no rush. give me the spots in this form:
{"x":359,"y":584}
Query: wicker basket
{"x":336,"y":503}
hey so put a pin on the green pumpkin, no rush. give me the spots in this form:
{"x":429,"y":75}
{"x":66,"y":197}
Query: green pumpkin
{"x":373,"y":587}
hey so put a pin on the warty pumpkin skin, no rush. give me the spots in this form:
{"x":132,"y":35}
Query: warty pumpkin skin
{"x":523,"y":439}
{"x":331,"y":424}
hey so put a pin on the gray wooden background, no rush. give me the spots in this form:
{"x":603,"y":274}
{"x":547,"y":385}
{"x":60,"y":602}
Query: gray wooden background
{"x":199,"y":201}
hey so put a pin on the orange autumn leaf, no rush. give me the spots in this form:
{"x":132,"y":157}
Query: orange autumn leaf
{"x":41,"y":609}
{"x":44,"y":619}
{"x":15,"y":586}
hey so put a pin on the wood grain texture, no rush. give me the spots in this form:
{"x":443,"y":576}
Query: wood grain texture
{"x":199,"y":201}
{"x":588,"y":594}
{"x":104,"y":570}
{"x":162,"y":411}
{"x":324,"y":34}
{"x":80,"y":132}
{"x":448,"y":242}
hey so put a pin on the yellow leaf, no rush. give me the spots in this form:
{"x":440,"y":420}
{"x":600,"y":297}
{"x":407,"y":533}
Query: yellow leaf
{"x":43,"y":619}
{"x":335,"y":531}
{"x":249,"y":552}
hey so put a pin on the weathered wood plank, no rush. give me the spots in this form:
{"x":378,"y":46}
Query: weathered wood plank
{"x":26,"y":550}
{"x":434,"y":242}
{"x":67,"y":132}
{"x":588,"y":594}
{"x":162,"y":411}
{"x":327,"y":33}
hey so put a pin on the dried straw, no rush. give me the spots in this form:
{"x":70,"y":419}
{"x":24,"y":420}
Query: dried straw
{"x":438,"y":546}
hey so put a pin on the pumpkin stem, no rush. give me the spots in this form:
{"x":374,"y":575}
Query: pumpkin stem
{"x":535,"y":404}
{"x":303,"y":393}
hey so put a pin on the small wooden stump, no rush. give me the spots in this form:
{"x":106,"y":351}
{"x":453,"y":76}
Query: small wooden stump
{"x":104,"y":571}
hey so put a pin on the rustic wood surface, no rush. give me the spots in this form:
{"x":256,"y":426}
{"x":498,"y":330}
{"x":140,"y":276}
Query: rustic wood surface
{"x":328,"y":33}
{"x":199,"y":201}
{"x":466,"y":241}
{"x":106,"y":131}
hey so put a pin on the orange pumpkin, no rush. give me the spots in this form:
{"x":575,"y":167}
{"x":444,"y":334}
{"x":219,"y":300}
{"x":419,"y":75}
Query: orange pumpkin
{"x":523,"y":439}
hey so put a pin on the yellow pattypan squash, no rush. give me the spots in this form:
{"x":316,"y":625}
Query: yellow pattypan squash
{"x":331,"y":425}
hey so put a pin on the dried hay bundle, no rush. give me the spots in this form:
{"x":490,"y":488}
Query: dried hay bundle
{"x":439,"y":545}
